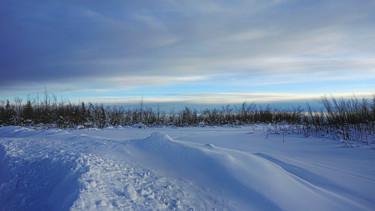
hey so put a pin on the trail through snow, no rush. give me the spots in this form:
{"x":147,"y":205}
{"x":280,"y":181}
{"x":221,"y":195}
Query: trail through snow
{"x":180,"y":169}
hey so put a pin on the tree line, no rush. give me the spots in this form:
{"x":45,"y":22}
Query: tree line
{"x":68,"y":115}
{"x":351,"y":119}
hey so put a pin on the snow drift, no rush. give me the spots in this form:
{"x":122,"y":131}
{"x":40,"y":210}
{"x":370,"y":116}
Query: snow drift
{"x":254,"y":180}
{"x":204,"y":169}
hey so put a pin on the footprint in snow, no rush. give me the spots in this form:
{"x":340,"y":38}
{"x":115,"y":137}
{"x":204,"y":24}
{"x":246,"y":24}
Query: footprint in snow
{"x":130,"y":192}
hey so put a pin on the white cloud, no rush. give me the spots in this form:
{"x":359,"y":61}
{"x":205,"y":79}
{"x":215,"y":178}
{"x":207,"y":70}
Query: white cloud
{"x":132,"y":81}
{"x":131,"y":45}
{"x":224,"y":98}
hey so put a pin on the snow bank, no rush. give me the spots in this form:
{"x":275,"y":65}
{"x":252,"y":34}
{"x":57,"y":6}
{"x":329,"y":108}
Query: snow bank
{"x":252,"y":180}
{"x":38,"y":183}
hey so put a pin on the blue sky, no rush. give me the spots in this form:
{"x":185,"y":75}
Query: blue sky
{"x":187,"y":51}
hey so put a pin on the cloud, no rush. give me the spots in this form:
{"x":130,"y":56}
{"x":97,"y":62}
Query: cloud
{"x":129,"y":44}
{"x":128,"y":82}
{"x":222,"y":98}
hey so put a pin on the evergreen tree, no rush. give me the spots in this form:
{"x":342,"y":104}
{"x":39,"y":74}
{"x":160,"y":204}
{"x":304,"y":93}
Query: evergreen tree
{"x":102,"y":120}
{"x":28,"y":111}
{"x":83,"y":114}
{"x":9,"y":114}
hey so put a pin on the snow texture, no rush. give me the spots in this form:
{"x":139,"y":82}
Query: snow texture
{"x":211,"y":168}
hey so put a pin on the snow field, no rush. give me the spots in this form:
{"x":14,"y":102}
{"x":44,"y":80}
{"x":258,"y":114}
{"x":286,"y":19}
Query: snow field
{"x":199,"y":169}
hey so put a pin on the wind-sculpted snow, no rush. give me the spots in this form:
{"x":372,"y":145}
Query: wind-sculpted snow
{"x":200,"y":169}
{"x":251,"y":180}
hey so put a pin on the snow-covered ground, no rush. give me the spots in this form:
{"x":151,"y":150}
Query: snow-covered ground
{"x":211,"y":168}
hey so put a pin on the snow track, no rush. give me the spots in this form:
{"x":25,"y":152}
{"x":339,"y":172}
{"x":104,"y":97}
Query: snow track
{"x":119,"y":185}
{"x":107,"y":170}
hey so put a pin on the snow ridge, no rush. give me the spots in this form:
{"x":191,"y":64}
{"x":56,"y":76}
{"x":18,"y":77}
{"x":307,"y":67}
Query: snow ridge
{"x":251,"y":180}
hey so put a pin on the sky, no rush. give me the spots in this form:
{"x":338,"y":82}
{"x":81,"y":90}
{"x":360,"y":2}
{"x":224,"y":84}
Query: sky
{"x":195,"y":51}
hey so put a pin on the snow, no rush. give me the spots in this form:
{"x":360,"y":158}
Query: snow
{"x":209,"y":168}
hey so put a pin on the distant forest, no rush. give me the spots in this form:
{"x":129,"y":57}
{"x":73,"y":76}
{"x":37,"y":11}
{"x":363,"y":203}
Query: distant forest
{"x":347,"y":119}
